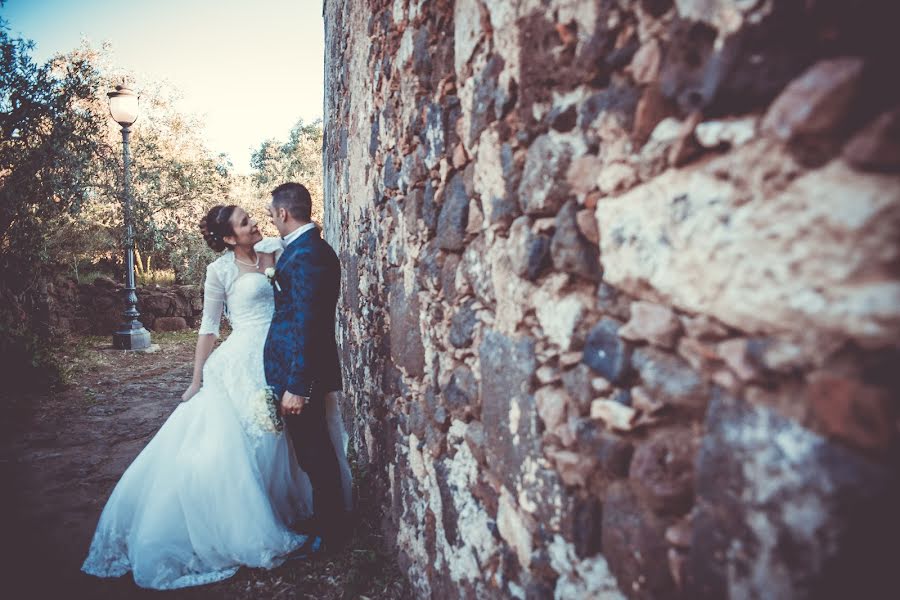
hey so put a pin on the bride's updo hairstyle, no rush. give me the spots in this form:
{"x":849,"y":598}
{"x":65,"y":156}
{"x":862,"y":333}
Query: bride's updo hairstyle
{"x":216,"y":225}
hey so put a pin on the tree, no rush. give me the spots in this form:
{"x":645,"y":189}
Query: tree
{"x":51,"y":144}
{"x":299,"y":159}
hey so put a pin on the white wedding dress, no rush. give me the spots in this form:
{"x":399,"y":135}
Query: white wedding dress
{"x":212,"y":490}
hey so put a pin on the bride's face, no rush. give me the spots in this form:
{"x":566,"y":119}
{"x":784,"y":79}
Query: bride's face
{"x":246,"y":233}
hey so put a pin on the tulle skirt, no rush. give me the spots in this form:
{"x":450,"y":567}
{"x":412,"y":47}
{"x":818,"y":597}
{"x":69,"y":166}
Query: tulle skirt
{"x":209,"y":493}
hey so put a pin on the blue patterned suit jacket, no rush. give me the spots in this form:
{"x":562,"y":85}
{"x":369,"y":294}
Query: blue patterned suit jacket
{"x":301,"y":348}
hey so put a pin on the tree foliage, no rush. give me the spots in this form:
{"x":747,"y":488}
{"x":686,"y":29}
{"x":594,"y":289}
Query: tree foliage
{"x":51,"y":144}
{"x":298,"y":159}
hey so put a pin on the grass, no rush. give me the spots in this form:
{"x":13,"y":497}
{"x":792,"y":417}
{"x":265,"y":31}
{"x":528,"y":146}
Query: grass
{"x":158,"y":277}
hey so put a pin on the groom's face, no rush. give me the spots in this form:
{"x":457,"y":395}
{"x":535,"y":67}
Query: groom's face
{"x":278,"y":216}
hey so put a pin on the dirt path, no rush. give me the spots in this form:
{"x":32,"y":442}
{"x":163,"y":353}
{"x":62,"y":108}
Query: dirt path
{"x":62,"y":454}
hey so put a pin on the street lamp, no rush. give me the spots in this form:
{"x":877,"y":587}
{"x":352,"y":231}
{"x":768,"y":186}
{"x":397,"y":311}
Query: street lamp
{"x":131,"y":335}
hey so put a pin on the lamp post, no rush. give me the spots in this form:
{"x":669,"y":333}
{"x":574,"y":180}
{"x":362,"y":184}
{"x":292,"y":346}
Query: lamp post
{"x":131,"y":334}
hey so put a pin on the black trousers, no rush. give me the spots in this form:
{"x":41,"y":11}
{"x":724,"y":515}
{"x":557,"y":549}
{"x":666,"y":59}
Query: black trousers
{"x":316,"y":455}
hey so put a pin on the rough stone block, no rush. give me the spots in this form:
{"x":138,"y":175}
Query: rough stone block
{"x":662,"y":471}
{"x":451,"y":225}
{"x":670,"y":379}
{"x":170,"y":324}
{"x":508,"y":410}
{"x":605,"y":352}
{"x":812,"y":518}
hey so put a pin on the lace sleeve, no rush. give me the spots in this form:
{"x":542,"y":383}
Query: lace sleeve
{"x":213,"y":301}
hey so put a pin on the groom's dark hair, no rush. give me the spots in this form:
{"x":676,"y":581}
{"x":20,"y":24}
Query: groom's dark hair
{"x":293,"y":197}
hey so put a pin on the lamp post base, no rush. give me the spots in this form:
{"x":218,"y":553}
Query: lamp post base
{"x":129,"y":338}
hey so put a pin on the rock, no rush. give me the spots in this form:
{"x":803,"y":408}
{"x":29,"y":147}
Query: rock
{"x":614,"y":414}
{"x":529,"y":253}
{"x":736,"y":354}
{"x":616,"y":177}
{"x":459,"y":157}
{"x":850,"y":410}
{"x":645,"y":64}
{"x":412,"y":170}
{"x":877,"y":146}
{"x":813,"y":519}
{"x":605,"y":352}
{"x":449,"y":515}
{"x":474,"y":437}
{"x":662,"y":471}
{"x":485,"y":92}
{"x":634,"y":545}
{"x":468,"y":31}
{"x":508,"y":408}
{"x":612,"y":453}
{"x":102,"y":281}
{"x":574,"y":469}
{"x":461,"y":392}
{"x":552,"y":404}
{"x":477,"y":269}
{"x":680,"y":534}
{"x":560,"y":313}
{"x":496,"y":178}
{"x":433,"y":135}
{"x":454,"y":217}
{"x":704,"y":327}
{"x":570,"y":251}
{"x":513,"y":529}
{"x":643,"y":401}
{"x":390,"y":176}
{"x":670,"y":379}
{"x":652,"y":322}
{"x":577,"y":382}
{"x":430,"y":266}
{"x":431,"y":206}
{"x":547,"y":374}
{"x":612,"y":302}
{"x":702,"y":356}
{"x":587,"y":225}
{"x":407,"y":351}
{"x":462,"y":325}
{"x":543,"y":190}
{"x":713,"y":134}
{"x":600,"y":385}
{"x":582,"y":173}
{"x":817,"y":102}
{"x":655,"y":237}
{"x":170,"y":324}
{"x":652,"y":111}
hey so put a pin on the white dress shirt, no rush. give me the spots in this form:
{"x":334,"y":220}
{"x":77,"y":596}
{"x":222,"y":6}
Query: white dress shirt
{"x":297,"y":233}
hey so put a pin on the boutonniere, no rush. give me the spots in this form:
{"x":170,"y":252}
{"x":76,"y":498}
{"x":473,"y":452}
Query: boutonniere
{"x":270,"y":274}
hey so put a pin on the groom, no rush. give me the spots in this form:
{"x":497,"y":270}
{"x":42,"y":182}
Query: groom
{"x":301,"y":358}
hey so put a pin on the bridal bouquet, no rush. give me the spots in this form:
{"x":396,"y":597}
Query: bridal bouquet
{"x":264,"y":410}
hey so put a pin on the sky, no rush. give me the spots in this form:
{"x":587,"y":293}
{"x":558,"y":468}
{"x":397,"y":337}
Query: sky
{"x":252,"y":68}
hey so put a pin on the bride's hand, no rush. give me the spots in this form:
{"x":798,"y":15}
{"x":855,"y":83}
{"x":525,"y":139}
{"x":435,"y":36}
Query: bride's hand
{"x":189,"y":393}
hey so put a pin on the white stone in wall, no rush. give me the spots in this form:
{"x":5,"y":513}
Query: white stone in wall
{"x":512,"y":292}
{"x":512,"y":528}
{"x":733,"y":132}
{"x":815,"y":255}
{"x":560,"y":313}
{"x":588,"y":578}
{"x":488,"y":178}
{"x":468,"y":32}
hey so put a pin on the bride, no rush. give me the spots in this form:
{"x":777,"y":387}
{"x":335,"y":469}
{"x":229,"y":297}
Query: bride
{"x":213,"y":490}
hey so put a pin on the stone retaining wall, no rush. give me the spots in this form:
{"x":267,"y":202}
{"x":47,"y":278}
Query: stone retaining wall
{"x":621,"y":296}
{"x":96,"y":307}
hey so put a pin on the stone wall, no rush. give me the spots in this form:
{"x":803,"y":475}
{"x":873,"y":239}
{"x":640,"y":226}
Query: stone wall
{"x":96,"y":307}
{"x":621,"y":296}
